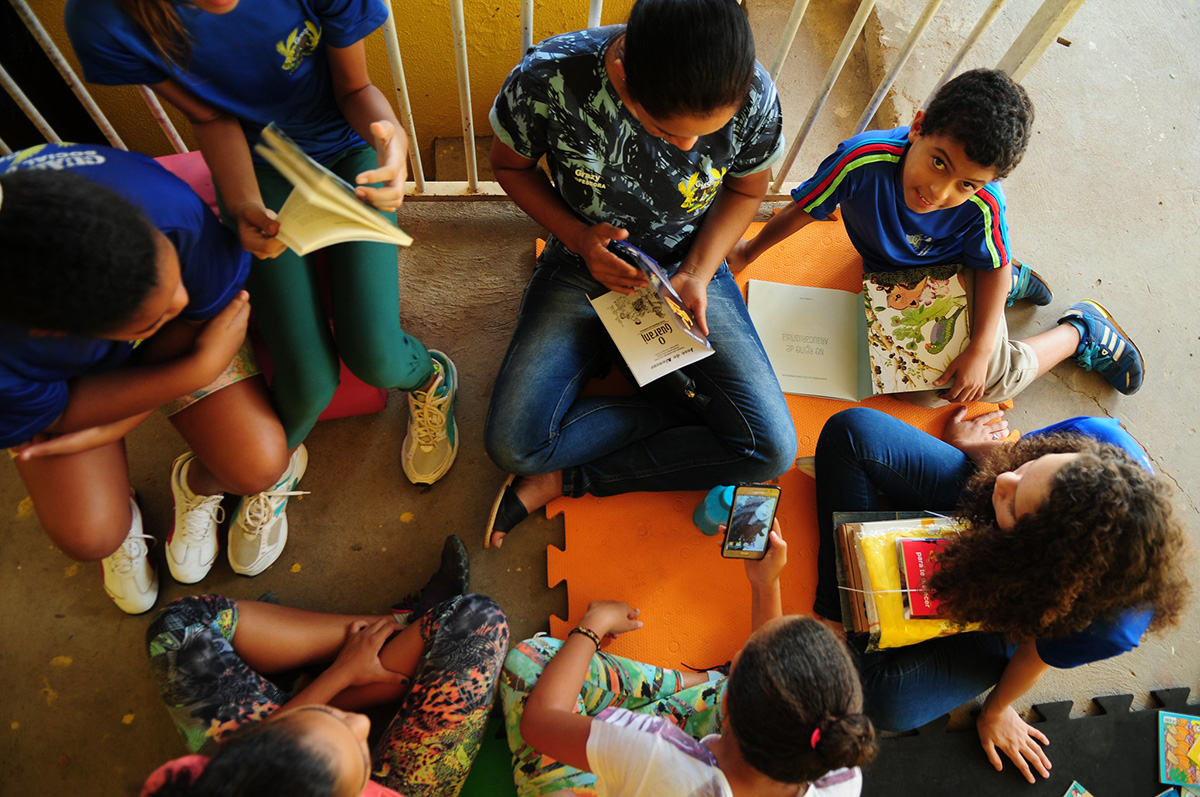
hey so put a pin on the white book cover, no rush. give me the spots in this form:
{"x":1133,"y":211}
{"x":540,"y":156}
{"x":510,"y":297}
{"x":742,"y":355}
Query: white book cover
{"x":650,"y":336}
{"x":815,"y":338}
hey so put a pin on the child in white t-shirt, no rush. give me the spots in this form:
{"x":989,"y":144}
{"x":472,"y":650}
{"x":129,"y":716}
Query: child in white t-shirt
{"x":786,"y":721}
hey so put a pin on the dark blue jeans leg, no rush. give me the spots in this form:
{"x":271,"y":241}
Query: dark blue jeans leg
{"x":905,"y":688}
{"x":611,"y":445}
{"x":863,"y":454}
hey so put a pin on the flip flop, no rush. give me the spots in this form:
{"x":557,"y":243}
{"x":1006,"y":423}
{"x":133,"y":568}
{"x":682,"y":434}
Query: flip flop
{"x":507,"y":511}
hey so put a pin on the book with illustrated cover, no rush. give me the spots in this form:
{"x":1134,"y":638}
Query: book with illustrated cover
{"x":918,"y":563}
{"x":322,"y":209}
{"x":898,"y":335}
{"x":1177,"y":735}
{"x":869,"y":573}
{"x":652,"y":329}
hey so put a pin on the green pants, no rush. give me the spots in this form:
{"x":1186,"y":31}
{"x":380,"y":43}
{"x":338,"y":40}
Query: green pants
{"x":364,"y":307}
{"x":612,"y":681}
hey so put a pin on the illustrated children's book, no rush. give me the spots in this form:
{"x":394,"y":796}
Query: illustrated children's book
{"x":322,"y":208}
{"x":652,"y":329}
{"x":1177,"y":735}
{"x":898,"y":335}
{"x":1077,"y":790}
{"x":869,"y":575}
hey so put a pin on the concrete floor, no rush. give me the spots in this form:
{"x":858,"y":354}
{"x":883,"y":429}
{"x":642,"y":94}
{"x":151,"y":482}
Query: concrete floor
{"x":1103,"y":205}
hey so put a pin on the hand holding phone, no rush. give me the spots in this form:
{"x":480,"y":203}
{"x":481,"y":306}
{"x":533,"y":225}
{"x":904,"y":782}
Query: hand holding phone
{"x":750,"y":519}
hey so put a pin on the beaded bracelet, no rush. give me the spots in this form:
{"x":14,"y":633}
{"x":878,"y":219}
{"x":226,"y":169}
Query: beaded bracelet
{"x":589,"y":633}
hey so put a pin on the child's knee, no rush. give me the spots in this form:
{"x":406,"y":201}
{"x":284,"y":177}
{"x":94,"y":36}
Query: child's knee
{"x":91,"y":539}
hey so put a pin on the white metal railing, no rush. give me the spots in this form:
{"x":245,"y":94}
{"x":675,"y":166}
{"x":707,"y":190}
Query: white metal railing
{"x":1039,"y":32}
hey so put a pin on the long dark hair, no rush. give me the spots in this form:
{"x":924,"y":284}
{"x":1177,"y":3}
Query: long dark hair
{"x":1106,"y":539}
{"x":791,"y":680}
{"x":160,"y":20}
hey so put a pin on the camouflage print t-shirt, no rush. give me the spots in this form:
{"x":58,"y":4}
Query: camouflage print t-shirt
{"x":559,"y":102}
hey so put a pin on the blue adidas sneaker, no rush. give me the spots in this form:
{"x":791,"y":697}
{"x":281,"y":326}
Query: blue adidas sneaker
{"x":1104,"y":347}
{"x":1027,"y":284}
{"x":431,"y":444}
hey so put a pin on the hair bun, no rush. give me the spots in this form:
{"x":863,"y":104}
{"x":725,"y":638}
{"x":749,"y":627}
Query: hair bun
{"x":847,"y":741}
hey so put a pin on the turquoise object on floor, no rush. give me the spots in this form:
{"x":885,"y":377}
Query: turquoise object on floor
{"x":714,"y":510}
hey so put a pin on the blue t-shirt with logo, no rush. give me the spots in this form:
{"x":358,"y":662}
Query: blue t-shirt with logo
{"x":264,"y":61}
{"x":863,"y":175}
{"x":1110,"y":637}
{"x":607,"y":167}
{"x":34,"y":371}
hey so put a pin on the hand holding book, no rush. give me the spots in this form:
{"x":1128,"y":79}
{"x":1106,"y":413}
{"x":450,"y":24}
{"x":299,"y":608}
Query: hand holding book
{"x":391,"y":147}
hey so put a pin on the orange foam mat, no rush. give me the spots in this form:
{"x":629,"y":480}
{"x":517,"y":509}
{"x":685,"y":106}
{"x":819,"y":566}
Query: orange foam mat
{"x":643,"y":548}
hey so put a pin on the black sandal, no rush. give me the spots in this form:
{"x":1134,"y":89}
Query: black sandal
{"x":507,"y":511}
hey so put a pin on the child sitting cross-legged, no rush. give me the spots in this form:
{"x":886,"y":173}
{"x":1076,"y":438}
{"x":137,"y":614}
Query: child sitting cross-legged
{"x":787,"y":720}
{"x":928,"y":195}
{"x":120,"y":293}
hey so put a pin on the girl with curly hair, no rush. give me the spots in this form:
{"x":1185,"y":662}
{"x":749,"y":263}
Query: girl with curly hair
{"x":1071,"y":555}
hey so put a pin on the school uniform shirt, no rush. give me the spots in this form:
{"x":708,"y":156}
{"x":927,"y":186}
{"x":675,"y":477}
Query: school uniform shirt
{"x":264,"y":61}
{"x":34,"y":371}
{"x":1112,"y":636}
{"x":863,"y":175}
{"x":606,"y":166}
{"x":641,"y":755}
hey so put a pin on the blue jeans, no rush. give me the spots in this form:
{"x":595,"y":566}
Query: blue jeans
{"x":608,"y":445}
{"x":862,"y":455}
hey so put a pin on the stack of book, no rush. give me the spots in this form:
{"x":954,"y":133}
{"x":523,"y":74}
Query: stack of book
{"x":885,"y":561}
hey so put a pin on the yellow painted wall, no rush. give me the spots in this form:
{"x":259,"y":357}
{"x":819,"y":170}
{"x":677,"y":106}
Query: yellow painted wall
{"x":426,"y":48}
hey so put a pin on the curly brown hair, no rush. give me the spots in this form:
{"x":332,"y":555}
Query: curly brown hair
{"x":1106,"y":539}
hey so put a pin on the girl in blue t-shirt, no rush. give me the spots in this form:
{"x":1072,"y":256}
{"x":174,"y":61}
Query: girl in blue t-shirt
{"x":232,"y":68}
{"x":1071,"y":555}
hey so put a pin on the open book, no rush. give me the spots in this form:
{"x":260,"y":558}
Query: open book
{"x":322,"y":208}
{"x":898,"y":335}
{"x":652,"y":329}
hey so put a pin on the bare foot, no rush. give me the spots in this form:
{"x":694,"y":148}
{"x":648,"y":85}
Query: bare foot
{"x":534,"y":493}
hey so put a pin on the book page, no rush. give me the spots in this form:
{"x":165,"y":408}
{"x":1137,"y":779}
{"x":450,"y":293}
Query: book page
{"x":917,"y":324}
{"x":305,"y":226}
{"x":649,"y":336}
{"x":811,"y":336}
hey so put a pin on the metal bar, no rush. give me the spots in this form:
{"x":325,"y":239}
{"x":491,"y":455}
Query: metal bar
{"x":400,"y":86}
{"x":163,"y":120}
{"x":789,"y":36}
{"x":915,"y":36}
{"x":1042,"y":29}
{"x":27,"y":107}
{"x":56,"y":57}
{"x":967,"y":45}
{"x":526,"y":26}
{"x":5,"y":149}
{"x":835,"y":69}
{"x":595,"y":9}
{"x":464,"y":92}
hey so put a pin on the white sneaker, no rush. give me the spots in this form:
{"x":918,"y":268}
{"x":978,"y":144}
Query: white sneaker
{"x":129,"y":577}
{"x":431,"y":444}
{"x":192,"y":542}
{"x":259,"y":529}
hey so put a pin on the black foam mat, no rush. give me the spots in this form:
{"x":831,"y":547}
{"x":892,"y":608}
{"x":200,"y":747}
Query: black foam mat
{"x":1112,"y":754}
